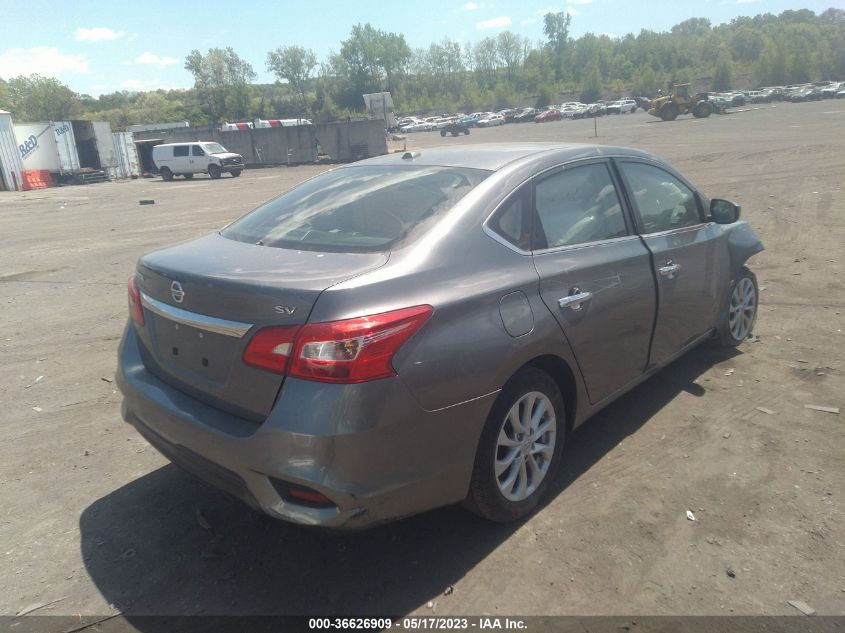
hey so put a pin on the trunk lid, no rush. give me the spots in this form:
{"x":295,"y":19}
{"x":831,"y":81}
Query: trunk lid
{"x":203,"y":301}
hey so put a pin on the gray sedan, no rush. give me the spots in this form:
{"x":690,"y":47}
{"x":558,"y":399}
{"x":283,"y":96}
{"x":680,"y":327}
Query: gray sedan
{"x":418,"y":330}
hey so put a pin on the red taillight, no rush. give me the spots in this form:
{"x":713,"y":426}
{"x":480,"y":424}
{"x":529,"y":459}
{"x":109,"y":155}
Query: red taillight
{"x":271,"y":348}
{"x":352,"y":350}
{"x":355,"y":350}
{"x":136,"y":312}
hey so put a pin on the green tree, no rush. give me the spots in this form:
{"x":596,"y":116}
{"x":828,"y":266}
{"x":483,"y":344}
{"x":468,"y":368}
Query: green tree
{"x":722,"y":75}
{"x":591,"y":89}
{"x":37,"y":98}
{"x":295,"y":65}
{"x":221,"y":80}
{"x":556,"y":30}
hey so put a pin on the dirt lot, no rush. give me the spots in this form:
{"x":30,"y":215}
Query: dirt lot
{"x":95,"y":518}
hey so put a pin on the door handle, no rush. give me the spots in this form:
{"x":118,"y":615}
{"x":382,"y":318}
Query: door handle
{"x":669,"y":269}
{"x":575,"y":301}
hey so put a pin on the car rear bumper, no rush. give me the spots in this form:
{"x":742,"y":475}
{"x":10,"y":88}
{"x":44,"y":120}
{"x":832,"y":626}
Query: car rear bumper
{"x":370,"y":448}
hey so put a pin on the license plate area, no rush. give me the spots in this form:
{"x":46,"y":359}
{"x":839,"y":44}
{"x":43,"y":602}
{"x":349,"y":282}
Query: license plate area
{"x":183,"y":348}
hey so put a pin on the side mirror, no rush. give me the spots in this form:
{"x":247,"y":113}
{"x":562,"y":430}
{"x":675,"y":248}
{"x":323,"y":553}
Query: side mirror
{"x":724,"y":211}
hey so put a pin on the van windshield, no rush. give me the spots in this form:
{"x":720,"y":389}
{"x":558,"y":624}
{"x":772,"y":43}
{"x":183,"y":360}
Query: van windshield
{"x":215,"y":148}
{"x":356,"y":209}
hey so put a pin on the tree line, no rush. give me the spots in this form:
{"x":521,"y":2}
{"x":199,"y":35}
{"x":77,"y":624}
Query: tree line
{"x":499,"y":71}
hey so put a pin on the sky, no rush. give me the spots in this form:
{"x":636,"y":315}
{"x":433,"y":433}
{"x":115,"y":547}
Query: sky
{"x":99,"y":46}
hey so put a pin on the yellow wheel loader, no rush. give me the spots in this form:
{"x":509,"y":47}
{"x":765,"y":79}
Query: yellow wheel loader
{"x":680,"y":102}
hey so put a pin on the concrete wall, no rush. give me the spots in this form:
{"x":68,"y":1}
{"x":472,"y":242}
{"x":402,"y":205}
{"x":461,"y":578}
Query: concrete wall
{"x":343,"y":141}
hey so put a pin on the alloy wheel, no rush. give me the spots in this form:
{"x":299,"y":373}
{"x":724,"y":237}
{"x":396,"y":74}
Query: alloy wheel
{"x":743,"y":309}
{"x":525,"y":446}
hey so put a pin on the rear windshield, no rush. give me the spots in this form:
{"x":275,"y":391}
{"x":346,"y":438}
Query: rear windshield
{"x":356,"y":209}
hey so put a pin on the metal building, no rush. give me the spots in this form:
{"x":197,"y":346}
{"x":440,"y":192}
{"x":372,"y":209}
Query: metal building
{"x":11,"y":166}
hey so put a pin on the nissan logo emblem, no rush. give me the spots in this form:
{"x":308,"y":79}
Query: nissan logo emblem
{"x":176,"y":292}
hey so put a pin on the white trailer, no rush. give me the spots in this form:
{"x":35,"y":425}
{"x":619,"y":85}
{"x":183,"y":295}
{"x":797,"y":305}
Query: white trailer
{"x":128,"y":165}
{"x":49,"y":146}
{"x":77,"y":151}
{"x":11,"y":167}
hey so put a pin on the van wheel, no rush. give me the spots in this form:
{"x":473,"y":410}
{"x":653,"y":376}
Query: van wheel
{"x":214,"y":171}
{"x":236,"y":173}
{"x":188,"y":176}
{"x":166,"y":174}
{"x":520,"y":448}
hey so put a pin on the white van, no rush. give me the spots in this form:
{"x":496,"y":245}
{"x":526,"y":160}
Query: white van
{"x":199,"y":157}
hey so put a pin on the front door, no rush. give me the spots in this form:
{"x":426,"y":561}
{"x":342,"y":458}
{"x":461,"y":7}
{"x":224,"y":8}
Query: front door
{"x":595,"y":274}
{"x":690,"y":256}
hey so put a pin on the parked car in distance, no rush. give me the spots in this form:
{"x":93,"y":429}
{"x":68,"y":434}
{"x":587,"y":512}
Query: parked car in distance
{"x":829,"y":92}
{"x":758,"y":96}
{"x":526,"y":114}
{"x":623,"y":106}
{"x":305,"y":357}
{"x":552,"y":114}
{"x":455,"y":129}
{"x":491,"y":120}
{"x":508,"y":114}
{"x":472,"y":119}
{"x":198,"y":157}
{"x":416,"y":126}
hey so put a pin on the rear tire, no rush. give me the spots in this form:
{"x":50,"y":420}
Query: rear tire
{"x":188,"y":176}
{"x":520,"y":449}
{"x":442,"y":132}
{"x":669,"y":112}
{"x":236,"y":173}
{"x":214,"y":171}
{"x":166,"y":174}
{"x":740,"y":311}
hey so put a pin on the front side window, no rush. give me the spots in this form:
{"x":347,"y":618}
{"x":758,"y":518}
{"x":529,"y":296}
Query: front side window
{"x":180,"y":150}
{"x":663,"y":201}
{"x":578,"y":205}
{"x":196,"y":150}
{"x":356,"y":209}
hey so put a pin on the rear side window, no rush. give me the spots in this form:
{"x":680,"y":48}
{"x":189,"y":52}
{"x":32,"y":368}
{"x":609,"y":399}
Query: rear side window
{"x":180,"y":150}
{"x":356,"y":209}
{"x":513,"y":219}
{"x":664,"y":202}
{"x":578,"y":205}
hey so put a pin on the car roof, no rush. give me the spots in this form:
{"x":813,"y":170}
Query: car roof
{"x":494,"y":156}
{"x":182,"y":143}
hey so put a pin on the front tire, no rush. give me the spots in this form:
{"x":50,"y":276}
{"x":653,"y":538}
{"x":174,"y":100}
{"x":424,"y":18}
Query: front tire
{"x":520,"y":448}
{"x":702,"y":110}
{"x":669,"y":112}
{"x":235,"y":173}
{"x":214,"y":171}
{"x":742,"y":305}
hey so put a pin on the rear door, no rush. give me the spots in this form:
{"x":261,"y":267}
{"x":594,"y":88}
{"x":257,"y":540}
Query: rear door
{"x":691,"y":261}
{"x":181,"y":163}
{"x":595,"y":274}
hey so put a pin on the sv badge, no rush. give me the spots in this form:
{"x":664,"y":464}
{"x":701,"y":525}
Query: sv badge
{"x":287,"y":311}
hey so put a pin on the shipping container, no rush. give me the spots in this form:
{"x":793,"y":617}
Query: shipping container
{"x":11,"y":166}
{"x":39,"y":147}
{"x":72,"y":151}
{"x":127,"y":155}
